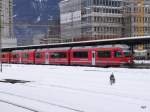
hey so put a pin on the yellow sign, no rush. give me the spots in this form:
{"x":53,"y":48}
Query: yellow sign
{"x":140,"y":47}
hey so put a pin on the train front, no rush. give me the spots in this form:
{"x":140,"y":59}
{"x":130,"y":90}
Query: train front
{"x":127,"y":58}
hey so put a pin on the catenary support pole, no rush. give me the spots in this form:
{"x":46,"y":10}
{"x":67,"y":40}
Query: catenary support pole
{"x":0,"y":36}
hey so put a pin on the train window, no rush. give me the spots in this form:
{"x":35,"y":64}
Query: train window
{"x":25,"y":55}
{"x":16,"y":56}
{"x":80,"y":54}
{"x":3,"y":56}
{"x":117,"y":54}
{"x":38,"y":55}
{"x":127,"y":54}
{"x":104,"y":54}
{"x":58,"y":55}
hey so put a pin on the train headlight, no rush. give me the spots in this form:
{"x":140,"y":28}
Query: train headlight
{"x":129,"y":61}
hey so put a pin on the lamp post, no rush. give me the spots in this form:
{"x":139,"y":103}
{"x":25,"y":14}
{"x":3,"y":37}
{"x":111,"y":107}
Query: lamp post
{"x":0,"y":51}
{"x":0,"y":36}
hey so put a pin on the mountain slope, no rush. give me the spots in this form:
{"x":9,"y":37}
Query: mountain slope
{"x":33,"y":12}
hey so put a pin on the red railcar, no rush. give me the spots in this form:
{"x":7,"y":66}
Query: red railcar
{"x":89,"y":56}
{"x":108,"y":56}
{"x":97,"y":56}
{"x":5,"y":57}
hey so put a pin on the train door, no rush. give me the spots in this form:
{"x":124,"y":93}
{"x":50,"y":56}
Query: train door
{"x":93,"y":58}
{"x":46,"y":57}
{"x":20,"y":57}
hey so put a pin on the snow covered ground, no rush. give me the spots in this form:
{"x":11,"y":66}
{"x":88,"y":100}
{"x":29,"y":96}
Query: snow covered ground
{"x":74,"y":89}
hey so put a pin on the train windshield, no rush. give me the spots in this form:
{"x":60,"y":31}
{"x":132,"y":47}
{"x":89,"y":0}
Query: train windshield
{"x":118,"y":54}
{"x":127,"y":54}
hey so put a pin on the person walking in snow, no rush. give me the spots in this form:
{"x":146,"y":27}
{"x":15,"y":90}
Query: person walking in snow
{"x":112,"y":79}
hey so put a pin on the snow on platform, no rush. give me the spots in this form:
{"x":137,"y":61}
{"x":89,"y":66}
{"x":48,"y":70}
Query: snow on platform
{"x":142,"y":61}
{"x":74,"y":89}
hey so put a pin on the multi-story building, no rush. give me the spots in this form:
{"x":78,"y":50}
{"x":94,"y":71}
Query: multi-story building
{"x":103,"y":19}
{"x":136,"y":15}
{"x":70,"y":19}
{"x":6,"y":24}
{"x":91,"y":19}
{"x":53,"y":34}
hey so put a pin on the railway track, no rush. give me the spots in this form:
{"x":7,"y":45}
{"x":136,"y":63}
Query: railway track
{"x":68,"y":108}
{"x":19,"y":106}
{"x":122,"y":95}
{"x":40,"y":102}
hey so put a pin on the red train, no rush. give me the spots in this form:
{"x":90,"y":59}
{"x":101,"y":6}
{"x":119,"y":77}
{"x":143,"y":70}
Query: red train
{"x":89,"y":56}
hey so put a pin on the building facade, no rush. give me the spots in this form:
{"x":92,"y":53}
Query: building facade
{"x":136,"y":15}
{"x":6,"y":24}
{"x":70,"y":19}
{"x":104,"y":19}
{"x":53,"y":34}
{"x":91,"y":19}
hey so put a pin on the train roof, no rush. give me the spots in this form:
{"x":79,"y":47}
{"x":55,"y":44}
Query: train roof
{"x":98,"y":47}
{"x":126,"y":40}
{"x":82,"y":47}
{"x":58,"y":48}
